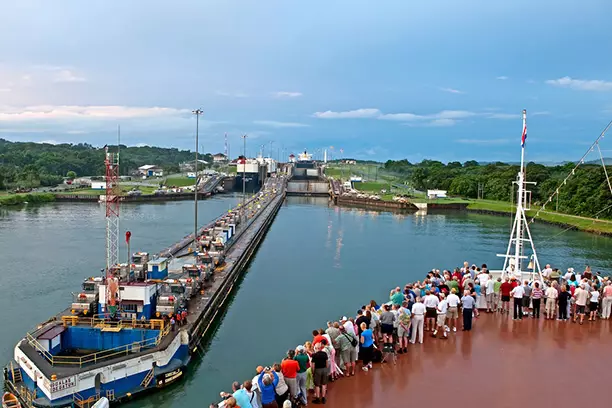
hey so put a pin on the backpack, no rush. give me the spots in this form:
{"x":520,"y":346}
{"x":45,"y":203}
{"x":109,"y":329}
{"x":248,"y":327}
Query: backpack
{"x":353,"y":340}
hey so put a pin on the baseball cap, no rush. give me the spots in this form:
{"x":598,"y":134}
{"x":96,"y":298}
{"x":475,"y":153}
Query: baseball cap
{"x":300,"y":348}
{"x":344,"y":318}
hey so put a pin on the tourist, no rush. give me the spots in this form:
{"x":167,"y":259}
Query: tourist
{"x":334,"y":370}
{"x":256,"y":402}
{"x":517,"y":294}
{"x":348,"y":325}
{"x":551,"y":300}
{"x":361,"y":318}
{"x":472,"y":288}
{"x":267,"y":382}
{"x":606,"y":301}
{"x":468,"y":303}
{"x":374,"y":321}
{"x":230,"y":402}
{"x":431,"y":303}
{"x":526,"y":297}
{"x":418,"y":316}
{"x":403,"y":328}
{"x":320,"y":362}
{"x":453,"y":309}
{"x":396,"y":297}
{"x":536,"y":299}
{"x":242,"y":397}
{"x":581,"y":296}
{"x":367,"y":347}
{"x":302,"y":358}
{"x":593,"y":303}
{"x":496,"y":295}
{"x":348,"y":350}
{"x":387,"y":318}
{"x":547,"y":271}
{"x":441,"y":318}
{"x":490,"y":295}
{"x":281,"y":389}
{"x":564,"y":299}
{"x":290,"y":368}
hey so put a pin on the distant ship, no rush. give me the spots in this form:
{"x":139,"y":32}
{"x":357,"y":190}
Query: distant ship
{"x":248,"y":175}
{"x":305,"y":167}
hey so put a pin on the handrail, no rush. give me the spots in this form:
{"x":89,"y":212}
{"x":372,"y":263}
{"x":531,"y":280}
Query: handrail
{"x":107,"y":353}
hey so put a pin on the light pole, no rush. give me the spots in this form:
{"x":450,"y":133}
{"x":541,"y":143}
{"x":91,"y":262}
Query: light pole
{"x":196,"y":112}
{"x":244,"y":137}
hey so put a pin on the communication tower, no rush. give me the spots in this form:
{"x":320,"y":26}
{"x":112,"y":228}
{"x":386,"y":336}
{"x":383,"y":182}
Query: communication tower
{"x":111,"y":163}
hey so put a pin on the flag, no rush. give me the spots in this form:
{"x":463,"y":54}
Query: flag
{"x":524,"y":136}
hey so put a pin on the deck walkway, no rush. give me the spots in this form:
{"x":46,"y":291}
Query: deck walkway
{"x":540,"y":362}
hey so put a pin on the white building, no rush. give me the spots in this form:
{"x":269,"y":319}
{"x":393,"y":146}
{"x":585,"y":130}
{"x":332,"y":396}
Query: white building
{"x":98,"y":185}
{"x":219,"y":158}
{"x":149,"y":170}
{"x":433,"y":194}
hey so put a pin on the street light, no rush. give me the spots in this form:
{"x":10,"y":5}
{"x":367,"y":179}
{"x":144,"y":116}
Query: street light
{"x":244,"y":137}
{"x":196,"y":112}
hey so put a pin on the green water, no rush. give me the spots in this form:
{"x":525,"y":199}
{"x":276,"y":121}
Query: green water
{"x":316,"y":263}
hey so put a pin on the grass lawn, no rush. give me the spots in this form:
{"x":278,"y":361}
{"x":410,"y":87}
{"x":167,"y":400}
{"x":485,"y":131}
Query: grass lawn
{"x":180,"y":181}
{"x":581,"y":223}
{"x":124,"y":190}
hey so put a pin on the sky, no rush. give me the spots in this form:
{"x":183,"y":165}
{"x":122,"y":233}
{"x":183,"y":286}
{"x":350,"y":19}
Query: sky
{"x":438,"y":79}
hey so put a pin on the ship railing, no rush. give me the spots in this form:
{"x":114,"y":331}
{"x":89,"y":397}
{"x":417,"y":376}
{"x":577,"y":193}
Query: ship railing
{"x":101,"y":355}
{"x":99,"y":321}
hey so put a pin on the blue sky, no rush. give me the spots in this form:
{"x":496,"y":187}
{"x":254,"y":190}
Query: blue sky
{"x":441,"y":79}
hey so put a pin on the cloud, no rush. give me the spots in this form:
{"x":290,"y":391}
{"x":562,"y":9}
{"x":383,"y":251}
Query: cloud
{"x":451,"y":90}
{"x":276,"y":124}
{"x":73,"y":112}
{"x":5,"y":89}
{"x":502,"y":78}
{"x":77,"y":132}
{"x":66,"y":75}
{"x":540,"y":113}
{"x":285,"y":94}
{"x":402,"y":117}
{"x":503,"y":115}
{"x":581,"y":84}
{"x":442,"y":122}
{"x":232,"y":94}
{"x":51,"y":141}
{"x":442,"y":118}
{"x":484,"y":141}
{"x":353,"y":114}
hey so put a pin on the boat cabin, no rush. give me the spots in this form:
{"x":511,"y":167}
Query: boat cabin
{"x":157,"y":269}
{"x":136,"y":300}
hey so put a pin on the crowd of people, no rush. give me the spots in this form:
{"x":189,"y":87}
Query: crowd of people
{"x":379,"y":333}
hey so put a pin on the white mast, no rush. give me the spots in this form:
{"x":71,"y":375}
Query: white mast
{"x":325,"y":156}
{"x":513,"y":262}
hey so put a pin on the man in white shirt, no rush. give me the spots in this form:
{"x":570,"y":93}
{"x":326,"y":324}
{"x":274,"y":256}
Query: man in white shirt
{"x":348,"y":325}
{"x":431,"y":302}
{"x":483,"y":277}
{"x":490,"y":295}
{"x":547,"y":271}
{"x":517,"y":293}
{"x":418,"y":316}
{"x":551,"y":302}
{"x":453,"y":308}
{"x":441,"y":319}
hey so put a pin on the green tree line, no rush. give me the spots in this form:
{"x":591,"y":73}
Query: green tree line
{"x":586,"y":193}
{"x":28,"y":164}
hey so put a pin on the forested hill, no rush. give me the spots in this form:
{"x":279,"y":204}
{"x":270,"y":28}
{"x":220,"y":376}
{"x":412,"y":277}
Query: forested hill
{"x":586,"y":193}
{"x":30,"y":164}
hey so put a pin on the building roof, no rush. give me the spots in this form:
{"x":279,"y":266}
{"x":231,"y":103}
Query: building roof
{"x":148,"y":167}
{"x":219,"y":155}
{"x":52,"y":333}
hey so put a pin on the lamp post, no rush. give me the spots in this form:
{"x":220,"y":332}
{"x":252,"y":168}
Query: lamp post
{"x":244,"y":137}
{"x":196,"y":112}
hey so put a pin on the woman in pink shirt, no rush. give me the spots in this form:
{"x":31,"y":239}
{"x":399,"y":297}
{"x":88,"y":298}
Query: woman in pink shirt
{"x":606,"y":301}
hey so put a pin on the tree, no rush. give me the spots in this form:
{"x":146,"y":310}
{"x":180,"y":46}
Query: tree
{"x":71,"y":175}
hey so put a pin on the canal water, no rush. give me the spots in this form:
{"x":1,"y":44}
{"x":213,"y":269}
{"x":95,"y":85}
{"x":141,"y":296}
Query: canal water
{"x":317,"y":263}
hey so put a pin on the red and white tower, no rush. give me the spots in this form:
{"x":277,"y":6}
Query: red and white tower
{"x":111,"y":163}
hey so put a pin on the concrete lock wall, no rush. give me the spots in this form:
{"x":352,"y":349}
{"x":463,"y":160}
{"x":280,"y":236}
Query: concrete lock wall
{"x":308,"y":187}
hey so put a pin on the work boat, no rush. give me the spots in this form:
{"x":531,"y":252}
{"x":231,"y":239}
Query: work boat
{"x":520,"y":246}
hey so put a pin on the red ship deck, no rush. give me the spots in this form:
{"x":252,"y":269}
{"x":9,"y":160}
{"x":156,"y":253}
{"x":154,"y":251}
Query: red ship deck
{"x":501,"y":363}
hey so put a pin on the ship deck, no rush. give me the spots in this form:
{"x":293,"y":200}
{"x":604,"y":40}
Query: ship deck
{"x":540,"y":362}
